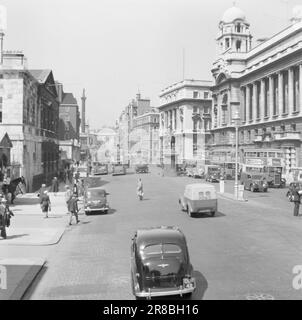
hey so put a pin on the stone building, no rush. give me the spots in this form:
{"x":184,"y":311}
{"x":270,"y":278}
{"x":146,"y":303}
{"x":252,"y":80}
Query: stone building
{"x":69,"y":128}
{"x":107,"y":141}
{"x":185,"y":109}
{"x":144,"y":139}
{"x":124,"y":126}
{"x":262,"y":84}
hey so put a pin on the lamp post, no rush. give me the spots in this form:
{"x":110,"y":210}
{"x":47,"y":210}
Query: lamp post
{"x":236,"y":120}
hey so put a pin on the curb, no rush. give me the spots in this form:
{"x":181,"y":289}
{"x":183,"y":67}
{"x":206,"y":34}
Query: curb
{"x":231,"y":197}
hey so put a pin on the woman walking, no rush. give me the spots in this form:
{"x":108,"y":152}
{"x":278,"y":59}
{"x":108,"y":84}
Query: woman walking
{"x":140,"y":189}
{"x":45,"y":204}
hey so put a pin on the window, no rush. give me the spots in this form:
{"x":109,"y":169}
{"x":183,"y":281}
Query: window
{"x":1,"y":104}
{"x":238,"y":45}
{"x":272,"y":154}
{"x":227,"y":43}
{"x":238,"y":28}
{"x":206,"y":95}
{"x":195,"y":94}
{"x":285,"y":92}
{"x":294,"y":127}
{"x":296,"y":88}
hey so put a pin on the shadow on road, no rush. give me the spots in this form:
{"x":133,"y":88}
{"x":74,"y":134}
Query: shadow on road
{"x":205,"y":215}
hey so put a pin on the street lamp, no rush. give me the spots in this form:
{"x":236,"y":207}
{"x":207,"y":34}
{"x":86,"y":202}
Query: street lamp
{"x":236,"y":120}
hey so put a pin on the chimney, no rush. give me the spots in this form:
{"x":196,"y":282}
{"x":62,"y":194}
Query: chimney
{"x":83,"y":122}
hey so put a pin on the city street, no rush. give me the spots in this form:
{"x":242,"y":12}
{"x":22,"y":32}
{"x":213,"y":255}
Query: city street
{"x":248,"y":250}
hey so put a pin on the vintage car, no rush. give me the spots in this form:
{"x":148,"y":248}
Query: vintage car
{"x":160,"y":263}
{"x":99,"y":169}
{"x":118,"y":169}
{"x":254,"y":181}
{"x":213,"y":173}
{"x":198,"y":173}
{"x":292,"y":187}
{"x":190,"y":171}
{"x":141,"y":168}
{"x":95,"y":200}
{"x":199,"y":198}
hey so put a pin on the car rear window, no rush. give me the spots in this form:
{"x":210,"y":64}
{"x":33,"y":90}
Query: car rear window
{"x":96,"y":193}
{"x":161,"y":249}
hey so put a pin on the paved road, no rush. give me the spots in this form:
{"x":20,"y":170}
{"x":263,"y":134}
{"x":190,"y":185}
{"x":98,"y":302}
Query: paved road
{"x":249,"y":249}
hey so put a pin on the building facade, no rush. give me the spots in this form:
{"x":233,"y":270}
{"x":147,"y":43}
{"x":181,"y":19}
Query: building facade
{"x":124,"y":126}
{"x":185,"y":122}
{"x":144,"y":139}
{"x":107,"y":141}
{"x":261,"y":84}
{"x":69,"y":128}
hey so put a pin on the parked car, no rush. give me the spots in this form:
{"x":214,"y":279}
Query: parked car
{"x":141,"y":168}
{"x":118,"y":170}
{"x":160,"y":263}
{"x":254,"y":182}
{"x":198,"y":173}
{"x":100,"y":169}
{"x":213,"y":173}
{"x":199,"y":198}
{"x":292,"y":187}
{"x":190,"y":172}
{"x":95,"y":200}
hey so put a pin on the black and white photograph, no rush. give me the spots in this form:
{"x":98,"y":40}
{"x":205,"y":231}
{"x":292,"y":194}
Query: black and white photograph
{"x":150,"y":150}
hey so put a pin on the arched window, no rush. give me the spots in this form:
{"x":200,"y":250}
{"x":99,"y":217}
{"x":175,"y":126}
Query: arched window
{"x":238,"y":28}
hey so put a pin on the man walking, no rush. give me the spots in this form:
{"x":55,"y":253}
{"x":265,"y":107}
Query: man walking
{"x":296,"y":200}
{"x":73,"y":208}
{"x":140,"y":189}
{"x":45,"y":203}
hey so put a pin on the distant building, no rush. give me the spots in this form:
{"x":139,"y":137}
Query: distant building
{"x":69,"y":128}
{"x":107,"y":141}
{"x":144,"y":139}
{"x":185,"y":110}
{"x":263,"y":85}
{"x":136,"y":107}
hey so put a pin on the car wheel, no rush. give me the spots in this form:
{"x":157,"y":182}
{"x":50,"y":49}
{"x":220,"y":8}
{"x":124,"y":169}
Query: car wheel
{"x":213,"y":213}
{"x":87,"y":213}
{"x":190,"y":213}
{"x":252,"y":188}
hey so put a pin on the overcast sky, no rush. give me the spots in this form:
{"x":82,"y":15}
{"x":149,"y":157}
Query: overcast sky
{"x":114,"y":48}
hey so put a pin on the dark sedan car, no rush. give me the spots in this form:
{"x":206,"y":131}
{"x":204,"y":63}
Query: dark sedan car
{"x":95,"y":200}
{"x":160,"y":263}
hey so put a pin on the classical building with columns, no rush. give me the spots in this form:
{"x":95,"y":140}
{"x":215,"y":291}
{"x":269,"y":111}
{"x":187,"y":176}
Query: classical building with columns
{"x":263,"y":85}
{"x":185,"y":110}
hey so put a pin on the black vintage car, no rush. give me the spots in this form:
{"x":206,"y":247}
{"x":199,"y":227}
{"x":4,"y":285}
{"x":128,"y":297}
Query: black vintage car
{"x":160,"y":263}
{"x":141,"y":168}
{"x":95,"y":200}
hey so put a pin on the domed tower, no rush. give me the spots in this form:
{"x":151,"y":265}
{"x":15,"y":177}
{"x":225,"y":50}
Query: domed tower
{"x":234,"y":32}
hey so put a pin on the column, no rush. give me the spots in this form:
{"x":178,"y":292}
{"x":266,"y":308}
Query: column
{"x":242,"y":105}
{"x":247,"y":103}
{"x":290,"y":91}
{"x":271,"y":97}
{"x":255,"y":93}
{"x":262,"y":99}
{"x":280,"y":92}
{"x":300,"y":87}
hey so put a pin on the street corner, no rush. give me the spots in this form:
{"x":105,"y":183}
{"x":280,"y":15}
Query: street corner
{"x":16,"y":276}
{"x":33,"y":236}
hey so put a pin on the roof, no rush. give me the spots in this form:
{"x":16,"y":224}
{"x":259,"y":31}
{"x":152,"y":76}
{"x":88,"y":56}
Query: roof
{"x":69,"y":99}
{"x":155,"y":235}
{"x":233,"y":14}
{"x":200,"y":186}
{"x":40,"y":75}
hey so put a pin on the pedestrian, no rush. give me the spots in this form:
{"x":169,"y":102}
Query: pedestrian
{"x":5,"y":216}
{"x":296,"y":200}
{"x":45,"y":203}
{"x":55,"y":185}
{"x":68,"y":196}
{"x":41,"y":191}
{"x":140,"y":189}
{"x":73,"y":208}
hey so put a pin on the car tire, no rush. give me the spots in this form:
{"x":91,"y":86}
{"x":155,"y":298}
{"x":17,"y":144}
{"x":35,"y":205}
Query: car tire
{"x":213,"y":214}
{"x":252,"y":188}
{"x":87,"y":213}
{"x":190,"y":213}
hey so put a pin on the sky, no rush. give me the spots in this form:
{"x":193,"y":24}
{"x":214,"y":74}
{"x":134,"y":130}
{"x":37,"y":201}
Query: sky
{"x":115,"y":48}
